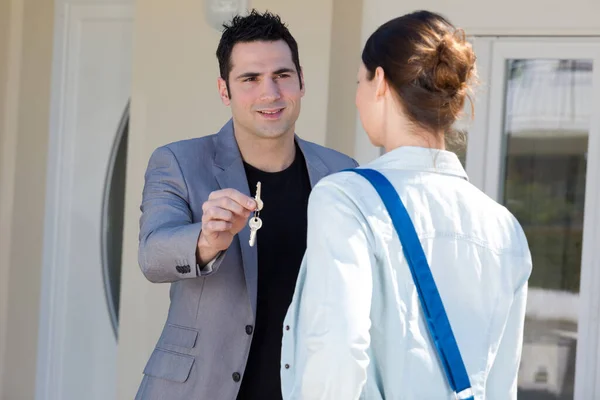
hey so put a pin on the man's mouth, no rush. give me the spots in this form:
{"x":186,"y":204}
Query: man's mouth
{"x":273,"y":113}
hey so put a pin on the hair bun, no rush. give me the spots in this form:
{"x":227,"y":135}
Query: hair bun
{"x":452,"y":65}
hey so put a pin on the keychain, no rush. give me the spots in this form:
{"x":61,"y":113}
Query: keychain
{"x":255,"y":222}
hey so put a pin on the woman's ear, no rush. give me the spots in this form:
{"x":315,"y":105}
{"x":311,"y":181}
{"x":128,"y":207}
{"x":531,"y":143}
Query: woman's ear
{"x":381,"y":83}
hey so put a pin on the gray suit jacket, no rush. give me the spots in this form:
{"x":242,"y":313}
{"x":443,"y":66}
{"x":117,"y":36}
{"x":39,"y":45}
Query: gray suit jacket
{"x":202,"y":351}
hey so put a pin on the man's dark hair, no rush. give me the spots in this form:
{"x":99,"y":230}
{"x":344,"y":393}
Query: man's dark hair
{"x":254,"y":27}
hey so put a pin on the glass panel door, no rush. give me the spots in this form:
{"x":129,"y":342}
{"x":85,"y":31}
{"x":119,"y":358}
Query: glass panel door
{"x":546,"y":123}
{"x":537,"y":164}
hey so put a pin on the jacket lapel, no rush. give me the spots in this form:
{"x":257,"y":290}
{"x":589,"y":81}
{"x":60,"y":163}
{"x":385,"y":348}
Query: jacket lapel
{"x":316,"y":168}
{"x":230,"y":173}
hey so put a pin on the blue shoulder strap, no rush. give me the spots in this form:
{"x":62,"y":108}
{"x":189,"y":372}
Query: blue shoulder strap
{"x":431,"y":302}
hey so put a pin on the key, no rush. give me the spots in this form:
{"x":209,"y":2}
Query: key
{"x":255,"y":224}
{"x":259,"y":202}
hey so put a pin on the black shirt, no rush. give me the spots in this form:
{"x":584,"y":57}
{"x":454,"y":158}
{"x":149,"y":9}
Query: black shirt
{"x":281,"y":243}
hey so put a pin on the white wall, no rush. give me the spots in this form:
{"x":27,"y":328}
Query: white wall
{"x":25,"y":60}
{"x":510,"y":17}
{"x":6,"y":167}
{"x":345,"y":60}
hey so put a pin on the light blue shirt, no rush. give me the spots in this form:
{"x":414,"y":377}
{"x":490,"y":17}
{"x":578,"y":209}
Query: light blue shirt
{"x":355,"y":330}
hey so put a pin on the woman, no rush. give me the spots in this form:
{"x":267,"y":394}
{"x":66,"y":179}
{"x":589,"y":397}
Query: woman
{"x":356,"y":328}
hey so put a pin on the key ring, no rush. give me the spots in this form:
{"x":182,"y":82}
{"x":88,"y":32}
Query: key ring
{"x":255,"y":222}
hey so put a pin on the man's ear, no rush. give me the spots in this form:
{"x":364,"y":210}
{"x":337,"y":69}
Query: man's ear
{"x":223,"y":91}
{"x":303,"y":89}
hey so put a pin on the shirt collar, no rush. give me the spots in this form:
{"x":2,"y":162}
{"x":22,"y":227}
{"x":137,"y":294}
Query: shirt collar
{"x":422,"y":159}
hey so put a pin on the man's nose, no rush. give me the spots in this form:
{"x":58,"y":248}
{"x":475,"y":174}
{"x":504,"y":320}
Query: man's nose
{"x":270,"y":90}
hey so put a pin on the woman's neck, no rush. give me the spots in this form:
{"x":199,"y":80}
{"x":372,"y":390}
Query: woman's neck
{"x":397,"y":132}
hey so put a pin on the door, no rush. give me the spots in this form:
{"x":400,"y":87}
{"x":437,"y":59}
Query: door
{"x":91,"y":88}
{"x":535,"y":147}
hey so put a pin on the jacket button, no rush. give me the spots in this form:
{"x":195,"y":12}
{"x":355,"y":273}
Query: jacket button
{"x":236,"y":377}
{"x":249,"y":329}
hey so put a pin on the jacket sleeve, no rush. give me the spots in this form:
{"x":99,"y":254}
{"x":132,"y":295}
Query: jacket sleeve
{"x":168,"y":237}
{"x":332,"y":332}
{"x":504,"y":373}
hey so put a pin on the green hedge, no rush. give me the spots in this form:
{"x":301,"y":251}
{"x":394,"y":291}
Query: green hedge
{"x":556,"y":254}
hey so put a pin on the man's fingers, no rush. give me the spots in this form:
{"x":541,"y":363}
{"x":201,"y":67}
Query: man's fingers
{"x":225,"y":203}
{"x":217,"y":226}
{"x":216,"y":213}
{"x":246,"y":202}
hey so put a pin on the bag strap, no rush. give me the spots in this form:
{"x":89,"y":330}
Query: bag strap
{"x":431,"y":302}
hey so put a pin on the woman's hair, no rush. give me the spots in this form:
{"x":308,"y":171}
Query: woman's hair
{"x":428,"y":63}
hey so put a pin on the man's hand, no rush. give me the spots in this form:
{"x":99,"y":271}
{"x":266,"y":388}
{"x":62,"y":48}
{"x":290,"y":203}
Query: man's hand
{"x":225,"y":214}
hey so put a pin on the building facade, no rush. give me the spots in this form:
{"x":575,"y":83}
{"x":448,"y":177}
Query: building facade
{"x":78,"y":319}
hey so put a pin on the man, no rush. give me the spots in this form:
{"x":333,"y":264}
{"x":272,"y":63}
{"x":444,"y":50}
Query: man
{"x":222,"y":338}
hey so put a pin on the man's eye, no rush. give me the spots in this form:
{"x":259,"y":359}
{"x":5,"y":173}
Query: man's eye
{"x":283,"y":75}
{"x":252,"y":79}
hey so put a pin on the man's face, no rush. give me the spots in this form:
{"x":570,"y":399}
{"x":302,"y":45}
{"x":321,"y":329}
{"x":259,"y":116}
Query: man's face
{"x":265,"y":89}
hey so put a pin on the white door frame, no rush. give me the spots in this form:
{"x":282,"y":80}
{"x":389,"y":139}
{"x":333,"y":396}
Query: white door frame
{"x":477,"y":134}
{"x":485,"y":167}
{"x":69,"y":17}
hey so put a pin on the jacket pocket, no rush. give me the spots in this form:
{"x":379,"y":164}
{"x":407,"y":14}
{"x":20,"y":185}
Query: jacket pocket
{"x":179,"y":336}
{"x":169,"y":365}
